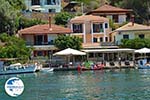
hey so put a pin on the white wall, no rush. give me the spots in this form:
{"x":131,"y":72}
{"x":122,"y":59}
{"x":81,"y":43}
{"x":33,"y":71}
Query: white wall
{"x":57,"y":7}
{"x":119,"y":37}
{"x":122,"y":18}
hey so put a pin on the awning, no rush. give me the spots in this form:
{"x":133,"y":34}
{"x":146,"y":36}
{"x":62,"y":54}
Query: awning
{"x":108,"y":50}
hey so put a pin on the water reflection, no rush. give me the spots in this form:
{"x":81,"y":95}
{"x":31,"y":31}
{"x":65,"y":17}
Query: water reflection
{"x":120,"y":84}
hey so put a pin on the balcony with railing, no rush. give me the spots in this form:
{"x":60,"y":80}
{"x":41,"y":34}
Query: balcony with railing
{"x":107,"y":44}
{"x":40,"y":43}
{"x":44,"y":43}
{"x":98,"y":28}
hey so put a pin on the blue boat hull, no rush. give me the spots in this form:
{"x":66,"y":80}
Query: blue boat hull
{"x":143,"y":64}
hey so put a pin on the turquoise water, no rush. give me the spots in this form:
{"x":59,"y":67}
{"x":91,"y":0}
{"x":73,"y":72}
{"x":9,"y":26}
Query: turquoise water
{"x":129,"y":84}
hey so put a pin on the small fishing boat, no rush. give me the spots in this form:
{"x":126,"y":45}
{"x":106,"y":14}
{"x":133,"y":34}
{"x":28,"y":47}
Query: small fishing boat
{"x":143,"y":64}
{"x":17,"y":68}
{"x":47,"y":69}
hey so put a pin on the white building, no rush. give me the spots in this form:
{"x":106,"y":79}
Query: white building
{"x":52,"y":6}
{"x":118,"y":15}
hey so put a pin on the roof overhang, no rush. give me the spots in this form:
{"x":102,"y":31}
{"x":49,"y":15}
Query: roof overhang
{"x":109,"y":50}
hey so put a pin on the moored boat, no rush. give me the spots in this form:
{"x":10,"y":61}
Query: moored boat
{"x":47,"y":69}
{"x":143,"y":64}
{"x":17,"y":68}
{"x":91,"y":67}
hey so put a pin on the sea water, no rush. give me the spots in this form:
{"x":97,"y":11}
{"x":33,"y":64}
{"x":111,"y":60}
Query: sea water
{"x":120,"y":84}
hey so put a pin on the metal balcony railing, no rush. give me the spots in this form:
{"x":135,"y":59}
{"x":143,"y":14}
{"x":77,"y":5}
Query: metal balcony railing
{"x":39,"y":43}
{"x":107,"y":44}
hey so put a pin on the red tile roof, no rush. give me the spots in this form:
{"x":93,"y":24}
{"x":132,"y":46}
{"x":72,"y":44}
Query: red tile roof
{"x":109,"y":8}
{"x":92,"y":18}
{"x":44,"y":29}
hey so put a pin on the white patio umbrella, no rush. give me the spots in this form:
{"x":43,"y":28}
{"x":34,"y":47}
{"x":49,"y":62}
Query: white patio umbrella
{"x":69,"y":51}
{"x":143,"y":50}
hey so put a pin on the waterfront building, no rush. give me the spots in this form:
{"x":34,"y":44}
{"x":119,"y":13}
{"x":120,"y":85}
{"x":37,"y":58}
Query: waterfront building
{"x":130,"y":30}
{"x":97,"y":43}
{"x":118,"y":15}
{"x":93,"y":30}
{"x":111,"y":56}
{"x":41,"y":37}
{"x":46,"y":6}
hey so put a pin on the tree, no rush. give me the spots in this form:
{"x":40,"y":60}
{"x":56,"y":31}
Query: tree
{"x":136,"y":43}
{"x":9,"y":12}
{"x":92,"y":4}
{"x":17,"y":4}
{"x":83,"y":1}
{"x":62,"y":18}
{"x":24,"y":22}
{"x":88,"y":5}
{"x":14,"y":47}
{"x":7,"y":16}
{"x":63,"y":42}
{"x":141,"y":9}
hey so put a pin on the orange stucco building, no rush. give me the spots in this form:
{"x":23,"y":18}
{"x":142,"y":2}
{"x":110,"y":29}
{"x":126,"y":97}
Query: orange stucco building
{"x":92,"y":29}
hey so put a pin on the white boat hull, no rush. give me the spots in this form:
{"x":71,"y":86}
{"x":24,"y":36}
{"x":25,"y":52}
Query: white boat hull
{"x":47,"y":69}
{"x":29,"y":69}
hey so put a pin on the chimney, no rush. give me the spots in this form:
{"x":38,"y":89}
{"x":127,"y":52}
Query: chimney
{"x":132,"y":19}
{"x":50,"y":25}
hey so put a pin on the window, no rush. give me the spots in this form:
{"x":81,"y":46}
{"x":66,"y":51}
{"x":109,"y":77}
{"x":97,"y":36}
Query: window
{"x":39,"y":53}
{"x":125,"y":36}
{"x":51,"y":42}
{"x":77,"y":28}
{"x":97,"y":28}
{"x":94,"y":39}
{"x":39,"y":39}
{"x":141,"y":36}
{"x":51,"y":10}
{"x":115,"y":18}
{"x":35,"y":2}
{"x":51,"y":2}
{"x":101,"y":39}
{"x":106,"y":25}
{"x":106,"y":39}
